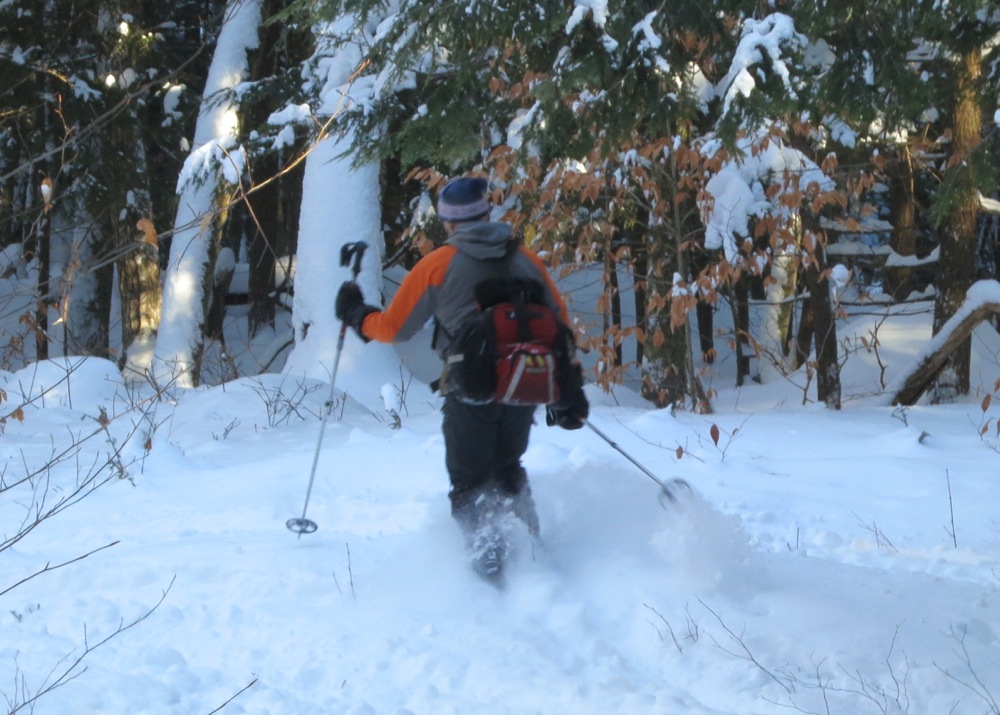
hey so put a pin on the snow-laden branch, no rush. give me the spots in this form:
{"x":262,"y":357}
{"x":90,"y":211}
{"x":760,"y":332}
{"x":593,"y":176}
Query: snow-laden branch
{"x":765,"y":38}
{"x":740,"y":194}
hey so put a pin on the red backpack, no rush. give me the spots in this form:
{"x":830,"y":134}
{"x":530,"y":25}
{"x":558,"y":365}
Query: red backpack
{"x":514,"y":350}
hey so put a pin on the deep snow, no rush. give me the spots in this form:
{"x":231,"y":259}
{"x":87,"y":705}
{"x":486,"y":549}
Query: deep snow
{"x":842,"y":562}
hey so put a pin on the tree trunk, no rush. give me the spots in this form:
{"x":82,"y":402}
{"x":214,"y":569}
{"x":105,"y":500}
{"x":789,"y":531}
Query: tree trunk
{"x":828,"y":388}
{"x":704,"y":311}
{"x":397,"y":195}
{"x":126,"y":220}
{"x":903,"y":217}
{"x":824,"y":325}
{"x":120,"y":200}
{"x":803,"y":340}
{"x":786,"y":308}
{"x":667,"y":370}
{"x":202,"y":209}
{"x":44,"y":246}
{"x":42,"y":231}
{"x":614,"y":301}
{"x":741,"y":328}
{"x":139,"y":291}
{"x":957,"y":235}
{"x":272,"y":207}
{"x":640,"y":268}
{"x":85,"y":291}
{"x":9,"y":232}
{"x":263,"y":226}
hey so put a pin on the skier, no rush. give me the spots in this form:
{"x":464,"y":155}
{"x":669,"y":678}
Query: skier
{"x":483,"y":442}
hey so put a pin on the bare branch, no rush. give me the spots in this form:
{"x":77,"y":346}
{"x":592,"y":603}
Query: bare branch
{"x":236,"y":695}
{"x":49,"y":567}
{"x":62,"y":674}
{"x":743,"y":652}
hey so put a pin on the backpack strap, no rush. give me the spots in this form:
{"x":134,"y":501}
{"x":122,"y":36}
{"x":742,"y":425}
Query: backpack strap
{"x":518,"y":291}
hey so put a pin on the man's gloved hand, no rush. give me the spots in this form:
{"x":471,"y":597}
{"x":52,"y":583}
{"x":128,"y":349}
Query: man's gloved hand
{"x":349,"y":298}
{"x":568,"y":413}
{"x":350,"y":307}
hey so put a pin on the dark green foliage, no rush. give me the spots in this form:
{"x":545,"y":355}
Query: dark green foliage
{"x":450,"y":79}
{"x":75,"y":70}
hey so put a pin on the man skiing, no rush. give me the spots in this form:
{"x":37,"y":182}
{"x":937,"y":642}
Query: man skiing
{"x":484,"y":443}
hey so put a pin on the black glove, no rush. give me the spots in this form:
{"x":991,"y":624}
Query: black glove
{"x":350,"y":307}
{"x":568,"y":413}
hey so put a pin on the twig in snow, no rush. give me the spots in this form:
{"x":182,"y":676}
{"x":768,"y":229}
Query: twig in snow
{"x":880,"y":538}
{"x":951,"y":510}
{"x":746,"y":653}
{"x":62,"y":675}
{"x":976,"y":685}
{"x":236,"y":695}
{"x":670,"y":629}
{"x":48,"y":567}
{"x":350,"y":572}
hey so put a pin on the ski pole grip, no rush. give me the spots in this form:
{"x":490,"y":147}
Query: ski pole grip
{"x":355,"y":250}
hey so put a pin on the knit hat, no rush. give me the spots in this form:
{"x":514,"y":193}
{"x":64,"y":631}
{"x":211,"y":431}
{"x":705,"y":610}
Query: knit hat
{"x":464,"y":199}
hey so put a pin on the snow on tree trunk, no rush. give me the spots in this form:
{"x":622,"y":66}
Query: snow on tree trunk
{"x":341,"y":204}
{"x":211,"y":165}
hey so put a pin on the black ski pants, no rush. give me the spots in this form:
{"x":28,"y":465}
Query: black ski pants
{"x":483,"y":449}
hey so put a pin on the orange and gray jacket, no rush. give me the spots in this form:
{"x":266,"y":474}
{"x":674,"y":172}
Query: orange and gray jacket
{"x":441,"y":285}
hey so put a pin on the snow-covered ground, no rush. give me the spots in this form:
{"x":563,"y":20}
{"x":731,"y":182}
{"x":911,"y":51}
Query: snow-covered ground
{"x":827,"y":562}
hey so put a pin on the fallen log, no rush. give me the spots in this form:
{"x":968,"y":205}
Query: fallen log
{"x":981,"y":303}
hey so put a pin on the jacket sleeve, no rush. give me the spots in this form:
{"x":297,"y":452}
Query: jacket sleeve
{"x":414,"y":303}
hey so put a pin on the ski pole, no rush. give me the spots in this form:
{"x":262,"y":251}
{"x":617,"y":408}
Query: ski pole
{"x":301,"y":525}
{"x":666,"y":491}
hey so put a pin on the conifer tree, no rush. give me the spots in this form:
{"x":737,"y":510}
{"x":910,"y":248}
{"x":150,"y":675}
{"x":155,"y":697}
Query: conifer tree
{"x":270,"y":212}
{"x":921,"y":78}
{"x":88,"y":107}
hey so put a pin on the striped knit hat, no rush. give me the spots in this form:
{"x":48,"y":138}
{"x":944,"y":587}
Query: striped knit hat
{"x":464,"y":199}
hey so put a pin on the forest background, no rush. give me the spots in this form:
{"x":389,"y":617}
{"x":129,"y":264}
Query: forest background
{"x":157,"y":163}
{"x":721,"y":189}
